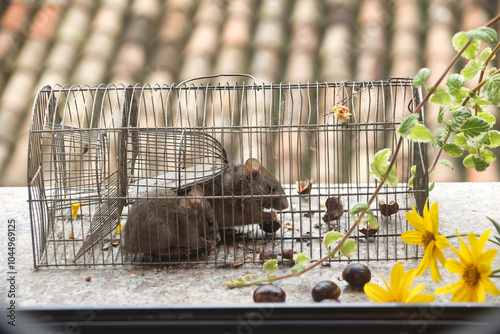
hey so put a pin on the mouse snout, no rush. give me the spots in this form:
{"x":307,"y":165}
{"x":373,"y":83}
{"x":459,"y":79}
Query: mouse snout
{"x":280,"y":204}
{"x":217,"y":237}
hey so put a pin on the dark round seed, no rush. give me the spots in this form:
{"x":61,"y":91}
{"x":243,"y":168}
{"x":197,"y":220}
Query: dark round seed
{"x":267,"y":254}
{"x":325,"y":290}
{"x":269,"y":294}
{"x":287,"y":254}
{"x":269,"y":226}
{"x":357,"y":275}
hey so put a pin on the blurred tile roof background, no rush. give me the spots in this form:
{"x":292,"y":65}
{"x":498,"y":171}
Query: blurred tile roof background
{"x":130,"y":41}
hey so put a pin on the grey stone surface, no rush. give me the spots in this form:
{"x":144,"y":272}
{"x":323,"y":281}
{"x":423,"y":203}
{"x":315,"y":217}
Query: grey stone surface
{"x":462,"y":206}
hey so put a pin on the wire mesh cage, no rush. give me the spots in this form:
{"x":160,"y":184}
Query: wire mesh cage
{"x":170,"y":174}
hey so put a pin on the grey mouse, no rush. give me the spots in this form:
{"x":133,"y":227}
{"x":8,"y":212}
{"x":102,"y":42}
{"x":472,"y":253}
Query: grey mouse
{"x":162,"y":224}
{"x":247,"y":190}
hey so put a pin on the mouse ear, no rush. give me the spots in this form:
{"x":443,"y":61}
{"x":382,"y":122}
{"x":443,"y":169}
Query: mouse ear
{"x":252,"y":168}
{"x":195,"y":203}
{"x":196,"y":189}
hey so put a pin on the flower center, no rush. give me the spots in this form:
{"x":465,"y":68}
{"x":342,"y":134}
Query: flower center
{"x":427,"y":237}
{"x":470,"y":275}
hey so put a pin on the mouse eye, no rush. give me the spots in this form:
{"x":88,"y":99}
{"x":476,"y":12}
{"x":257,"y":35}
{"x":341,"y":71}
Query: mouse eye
{"x":210,"y":223}
{"x":272,"y":189}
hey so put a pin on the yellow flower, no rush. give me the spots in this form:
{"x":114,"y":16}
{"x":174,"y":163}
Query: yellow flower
{"x":428,"y":236}
{"x":341,"y":113}
{"x":475,"y":269}
{"x":399,"y":290}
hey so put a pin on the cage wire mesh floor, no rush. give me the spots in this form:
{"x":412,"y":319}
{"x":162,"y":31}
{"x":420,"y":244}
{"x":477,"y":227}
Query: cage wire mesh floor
{"x":103,"y":147}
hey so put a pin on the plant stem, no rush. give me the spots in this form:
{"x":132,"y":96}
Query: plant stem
{"x":438,"y":154}
{"x":495,"y":271}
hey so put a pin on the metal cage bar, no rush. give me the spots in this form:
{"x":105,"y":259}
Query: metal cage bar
{"x":108,"y":147}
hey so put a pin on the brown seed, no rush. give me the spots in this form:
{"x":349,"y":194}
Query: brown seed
{"x":304,"y":187}
{"x":388,"y":209}
{"x":88,"y":278}
{"x":270,"y":227}
{"x":357,"y":275}
{"x":267,"y":254}
{"x":269,"y":294}
{"x":287,"y":254}
{"x":368,"y":230}
{"x":325,"y":290}
{"x":334,"y":209}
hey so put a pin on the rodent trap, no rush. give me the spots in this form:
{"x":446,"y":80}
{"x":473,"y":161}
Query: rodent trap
{"x":123,"y":174}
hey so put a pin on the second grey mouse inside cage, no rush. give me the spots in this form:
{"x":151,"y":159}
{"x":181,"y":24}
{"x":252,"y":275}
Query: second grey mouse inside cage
{"x":216,"y":173}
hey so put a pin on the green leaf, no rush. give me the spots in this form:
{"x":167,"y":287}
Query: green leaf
{"x":453,"y":149}
{"x":410,"y":182}
{"x":481,"y":101}
{"x":438,"y":140}
{"x":472,"y":150}
{"x":460,"y":139}
{"x":472,"y":161}
{"x":431,"y":187}
{"x":420,"y":133}
{"x":371,"y":219}
{"x":414,"y":170}
{"x":454,"y":84}
{"x":460,"y":39}
{"x":470,"y":70}
{"x":407,"y":124}
{"x":441,"y":115}
{"x":479,"y":164}
{"x":298,"y":269}
{"x":487,"y":156}
{"x":302,"y":258}
{"x":270,"y":266}
{"x":358,"y":207}
{"x":380,"y":164}
{"x":460,"y":116}
{"x":441,"y":96}
{"x":446,"y":163}
{"x":492,"y":89}
{"x":331,"y":237}
{"x":469,"y":162}
{"x":348,"y":248}
{"x":487,"y":117}
{"x":486,"y":34}
{"x":494,"y":138}
{"x":497,"y":226}
{"x":474,"y":127}
{"x":485,"y":54}
{"x":421,"y":76}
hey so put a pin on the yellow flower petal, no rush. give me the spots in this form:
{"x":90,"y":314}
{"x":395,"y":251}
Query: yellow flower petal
{"x":489,"y":286}
{"x":448,"y":288}
{"x":434,"y":217}
{"x":376,"y":293}
{"x":424,"y":263}
{"x":439,"y":255}
{"x":412,"y":237}
{"x":454,"y":266}
{"x":434,"y":270}
{"x":416,"y":221}
{"x":441,"y":242}
{"x":422,"y":298}
{"x":415,"y":291}
{"x":480,"y":293}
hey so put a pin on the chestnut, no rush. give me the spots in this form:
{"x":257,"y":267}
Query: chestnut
{"x":267,"y":254}
{"x":387,"y":209}
{"x":357,"y":275}
{"x":325,"y":290}
{"x":270,"y":226}
{"x":334,"y":209}
{"x":269,"y":294}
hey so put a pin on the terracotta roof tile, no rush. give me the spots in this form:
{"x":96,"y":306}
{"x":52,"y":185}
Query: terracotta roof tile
{"x":89,"y":42}
{"x":15,"y":17}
